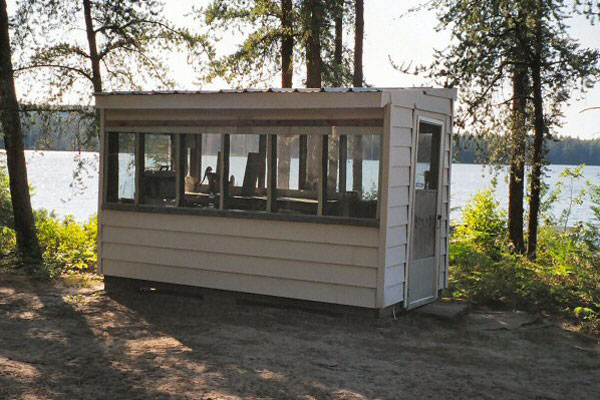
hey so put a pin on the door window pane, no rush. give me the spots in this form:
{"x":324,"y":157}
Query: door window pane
{"x":426,"y":191}
{"x":428,"y":155}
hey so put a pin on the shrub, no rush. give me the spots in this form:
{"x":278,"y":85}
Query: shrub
{"x":67,"y":246}
{"x":563,"y":280}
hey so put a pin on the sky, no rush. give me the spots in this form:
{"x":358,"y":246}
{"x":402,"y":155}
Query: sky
{"x":391,"y":33}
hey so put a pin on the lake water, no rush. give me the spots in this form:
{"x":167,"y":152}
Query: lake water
{"x":61,"y":186}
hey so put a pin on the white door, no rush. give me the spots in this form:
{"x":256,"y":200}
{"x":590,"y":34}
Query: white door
{"x":426,"y":218}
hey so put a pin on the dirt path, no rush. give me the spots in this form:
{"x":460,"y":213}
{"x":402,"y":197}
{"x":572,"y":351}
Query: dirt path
{"x":85,"y":345}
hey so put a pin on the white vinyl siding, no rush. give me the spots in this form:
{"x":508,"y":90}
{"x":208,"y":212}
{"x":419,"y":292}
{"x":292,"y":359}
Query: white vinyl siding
{"x":327,"y":263}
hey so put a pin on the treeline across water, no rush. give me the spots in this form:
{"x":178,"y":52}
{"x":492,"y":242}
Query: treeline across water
{"x":72,"y":131}
{"x":470,"y":149}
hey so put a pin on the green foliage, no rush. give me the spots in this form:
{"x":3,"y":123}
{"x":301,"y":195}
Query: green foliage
{"x":7,"y":234}
{"x":66,"y":245}
{"x":132,"y":41}
{"x":257,"y":59}
{"x":484,"y":224}
{"x":563,"y":280}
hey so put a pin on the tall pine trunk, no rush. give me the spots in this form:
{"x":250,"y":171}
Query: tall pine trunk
{"x":538,"y":143}
{"x":309,"y":145}
{"x":338,"y":42}
{"x":287,"y":44}
{"x":93,"y":47}
{"x":517,"y":159}
{"x":313,"y":44}
{"x":332,"y":170}
{"x":27,"y":241}
{"x":94,"y":57}
{"x":357,"y":156}
{"x":287,"y":76}
{"x":359,"y":26}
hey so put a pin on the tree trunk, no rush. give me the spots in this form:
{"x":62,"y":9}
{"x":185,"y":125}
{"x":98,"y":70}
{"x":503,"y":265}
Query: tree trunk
{"x":94,"y":58}
{"x":538,"y":143}
{"x":358,"y":82}
{"x":287,"y":76}
{"x":517,"y":159}
{"x":313,"y":80}
{"x":359,"y":26}
{"x":27,"y":241}
{"x":91,"y":39}
{"x":313,"y":44}
{"x":339,"y":43}
{"x":287,"y":45}
{"x":334,"y":141}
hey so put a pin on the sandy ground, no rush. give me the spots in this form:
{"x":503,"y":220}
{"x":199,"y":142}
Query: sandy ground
{"x":60,"y":343}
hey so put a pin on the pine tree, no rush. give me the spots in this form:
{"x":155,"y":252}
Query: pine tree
{"x":27,"y":241}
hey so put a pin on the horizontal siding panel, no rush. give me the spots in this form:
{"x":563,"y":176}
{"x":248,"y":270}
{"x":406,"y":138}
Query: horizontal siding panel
{"x":401,"y":137}
{"x":400,"y":156}
{"x":278,"y":249}
{"x":396,"y":236}
{"x":397,"y":216}
{"x":302,"y":290}
{"x":398,"y":196}
{"x":395,"y":255}
{"x":399,"y":176}
{"x":245,"y":227}
{"x":394,"y":275}
{"x":423,"y":101}
{"x":401,"y":117}
{"x":393,"y":295}
{"x":242,"y":265}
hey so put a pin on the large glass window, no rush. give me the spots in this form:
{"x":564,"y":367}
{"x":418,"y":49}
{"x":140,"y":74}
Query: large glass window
{"x":353,"y":175}
{"x":297,"y":169}
{"x":159,"y":176}
{"x":120,"y":175}
{"x":319,"y":171}
{"x":247,"y":173}
{"x":202,"y":181}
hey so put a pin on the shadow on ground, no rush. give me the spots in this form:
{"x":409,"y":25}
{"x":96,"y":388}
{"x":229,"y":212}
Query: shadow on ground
{"x":149,"y":345}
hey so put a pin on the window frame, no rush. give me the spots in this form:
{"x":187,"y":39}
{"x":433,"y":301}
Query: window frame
{"x":271,"y":179}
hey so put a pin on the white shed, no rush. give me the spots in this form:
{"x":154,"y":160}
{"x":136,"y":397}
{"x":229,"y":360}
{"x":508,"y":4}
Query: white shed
{"x":336,"y":196}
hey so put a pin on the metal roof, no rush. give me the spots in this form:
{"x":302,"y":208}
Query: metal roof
{"x":270,"y":90}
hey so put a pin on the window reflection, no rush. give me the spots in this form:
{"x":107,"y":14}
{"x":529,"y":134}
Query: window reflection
{"x":353,"y":175}
{"x":334,"y":174}
{"x":159,"y":177}
{"x":121,"y":167}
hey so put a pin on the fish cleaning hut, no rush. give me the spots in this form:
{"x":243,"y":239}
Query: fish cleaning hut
{"x":337,"y":196}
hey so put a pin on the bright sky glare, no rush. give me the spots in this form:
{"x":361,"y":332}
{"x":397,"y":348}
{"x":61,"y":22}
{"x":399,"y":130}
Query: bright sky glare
{"x":389,"y":32}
